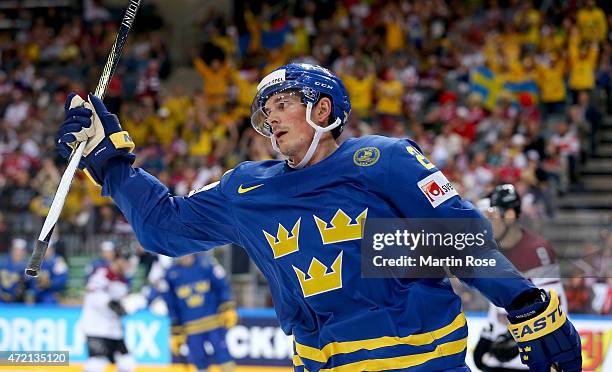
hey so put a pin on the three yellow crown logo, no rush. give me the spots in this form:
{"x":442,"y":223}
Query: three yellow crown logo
{"x":184,"y":291}
{"x":202,"y":286}
{"x":320,"y":281}
{"x":283,"y":244}
{"x":195,"y":301}
{"x":341,"y":227}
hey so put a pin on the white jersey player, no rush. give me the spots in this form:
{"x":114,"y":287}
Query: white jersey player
{"x":101,"y":317}
{"x":535,"y":257}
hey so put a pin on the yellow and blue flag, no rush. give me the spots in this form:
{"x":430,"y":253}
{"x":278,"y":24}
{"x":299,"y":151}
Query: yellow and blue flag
{"x":490,"y":85}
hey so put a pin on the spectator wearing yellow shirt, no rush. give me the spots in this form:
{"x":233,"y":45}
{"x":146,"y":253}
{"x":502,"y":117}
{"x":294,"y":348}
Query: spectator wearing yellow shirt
{"x":157,"y":123}
{"x":360,"y":85}
{"x":132,"y":120}
{"x":246,"y":83}
{"x":164,"y":126}
{"x":201,"y":131}
{"x":582,"y":65}
{"x":592,"y":22}
{"x":177,"y":102}
{"x":553,"y":39}
{"x":520,"y":71}
{"x":276,"y":58}
{"x":394,"y":29}
{"x":201,"y":144}
{"x":301,"y":39}
{"x":254,"y":27}
{"x":389,"y":93}
{"x":216,"y":80}
{"x":508,"y":44}
{"x":527,"y":21}
{"x":551,"y":82}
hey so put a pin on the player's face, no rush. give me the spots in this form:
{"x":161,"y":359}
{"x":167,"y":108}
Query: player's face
{"x":107,"y":254}
{"x":501,"y":221}
{"x":18,"y":254}
{"x":186,"y":260}
{"x":286,"y":114}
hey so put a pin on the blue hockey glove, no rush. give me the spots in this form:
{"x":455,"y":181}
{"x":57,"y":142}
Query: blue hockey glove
{"x":91,"y":122}
{"x":544,"y":335}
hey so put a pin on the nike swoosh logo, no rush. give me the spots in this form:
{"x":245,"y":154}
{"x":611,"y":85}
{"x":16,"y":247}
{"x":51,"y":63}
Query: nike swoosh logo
{"x":242,"y":190}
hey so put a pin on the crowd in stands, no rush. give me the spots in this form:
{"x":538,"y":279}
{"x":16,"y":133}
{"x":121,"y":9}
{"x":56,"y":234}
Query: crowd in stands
{"x":504,"y":92}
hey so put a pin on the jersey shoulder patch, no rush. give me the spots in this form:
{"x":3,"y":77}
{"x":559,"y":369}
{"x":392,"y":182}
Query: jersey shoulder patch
{"x":437,"y":188}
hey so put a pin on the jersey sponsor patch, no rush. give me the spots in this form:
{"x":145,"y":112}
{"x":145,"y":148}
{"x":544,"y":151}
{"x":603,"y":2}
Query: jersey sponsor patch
{"x":437,"y":188}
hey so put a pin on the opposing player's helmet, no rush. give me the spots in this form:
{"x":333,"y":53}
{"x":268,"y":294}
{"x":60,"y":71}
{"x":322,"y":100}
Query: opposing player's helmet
{"x":505,"y":197}
{"x":312,"y":82}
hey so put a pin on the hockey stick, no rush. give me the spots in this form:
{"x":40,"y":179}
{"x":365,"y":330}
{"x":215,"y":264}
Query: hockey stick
{"x":62,"y":190}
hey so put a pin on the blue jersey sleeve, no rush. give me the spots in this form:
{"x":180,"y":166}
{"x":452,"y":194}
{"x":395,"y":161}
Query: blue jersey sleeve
{"x":59,"y":275}
{"x":166,"y":224}
{"x":219,"y":284}
{"x":169,"y":297}
{"x":419,"y":190}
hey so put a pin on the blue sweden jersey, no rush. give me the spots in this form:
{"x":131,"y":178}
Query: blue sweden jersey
{"x":51,"y":280}
{"x":196,"y":294}
{"x":303,"y":230}
{"x":12,"y":284}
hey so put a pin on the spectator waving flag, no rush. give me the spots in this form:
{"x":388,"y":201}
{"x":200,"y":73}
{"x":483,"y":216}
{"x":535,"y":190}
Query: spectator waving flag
{"x":487,"y":83}
{"x":525,"y":87}
{"x":490,"y":85}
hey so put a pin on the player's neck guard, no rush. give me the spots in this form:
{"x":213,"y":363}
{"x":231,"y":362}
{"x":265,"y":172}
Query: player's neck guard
{"x":319,"y":130}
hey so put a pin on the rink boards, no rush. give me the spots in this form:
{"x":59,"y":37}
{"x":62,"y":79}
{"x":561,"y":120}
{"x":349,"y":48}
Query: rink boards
{"x":257,"y":341}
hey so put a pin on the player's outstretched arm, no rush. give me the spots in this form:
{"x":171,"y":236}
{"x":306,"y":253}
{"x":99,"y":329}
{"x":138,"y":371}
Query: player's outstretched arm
{"x":537,"y":322}
{"x":162,"y":223}
{"x":407,"y":174}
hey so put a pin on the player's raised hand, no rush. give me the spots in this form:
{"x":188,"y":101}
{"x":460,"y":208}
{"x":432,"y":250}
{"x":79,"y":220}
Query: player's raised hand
{"x":545,"y":336}
{"x":77,"y":126}
{"x":91,"y":121}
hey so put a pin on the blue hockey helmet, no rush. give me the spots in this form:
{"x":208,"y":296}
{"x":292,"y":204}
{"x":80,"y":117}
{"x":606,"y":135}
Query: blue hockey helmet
{"x":312,"y":82}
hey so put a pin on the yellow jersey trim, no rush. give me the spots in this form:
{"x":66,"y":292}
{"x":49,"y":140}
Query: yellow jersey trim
{"x":204,"y":324}
{"x":335,"y":348}
{"x":442,"y":350}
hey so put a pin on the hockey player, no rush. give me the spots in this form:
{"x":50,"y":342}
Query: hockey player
{"x":199,"y":303}
{"x":51,"y":280}
{"x":107,"y":253}
{"x":496,"y":350}
{"x":101,"y":317}
{"x":12,"y":284}
{"x":300,"y":220}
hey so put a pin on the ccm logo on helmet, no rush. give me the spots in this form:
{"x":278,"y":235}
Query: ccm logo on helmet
{"x":323,"y":85}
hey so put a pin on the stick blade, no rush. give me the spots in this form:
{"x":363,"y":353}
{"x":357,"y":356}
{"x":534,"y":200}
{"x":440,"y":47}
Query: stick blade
{"x":37,"y":258}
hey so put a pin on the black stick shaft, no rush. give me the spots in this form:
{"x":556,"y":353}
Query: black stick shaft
{"x":62,"y":190}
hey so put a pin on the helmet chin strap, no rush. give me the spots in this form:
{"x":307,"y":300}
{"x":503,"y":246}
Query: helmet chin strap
{"x":315,"y":139}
